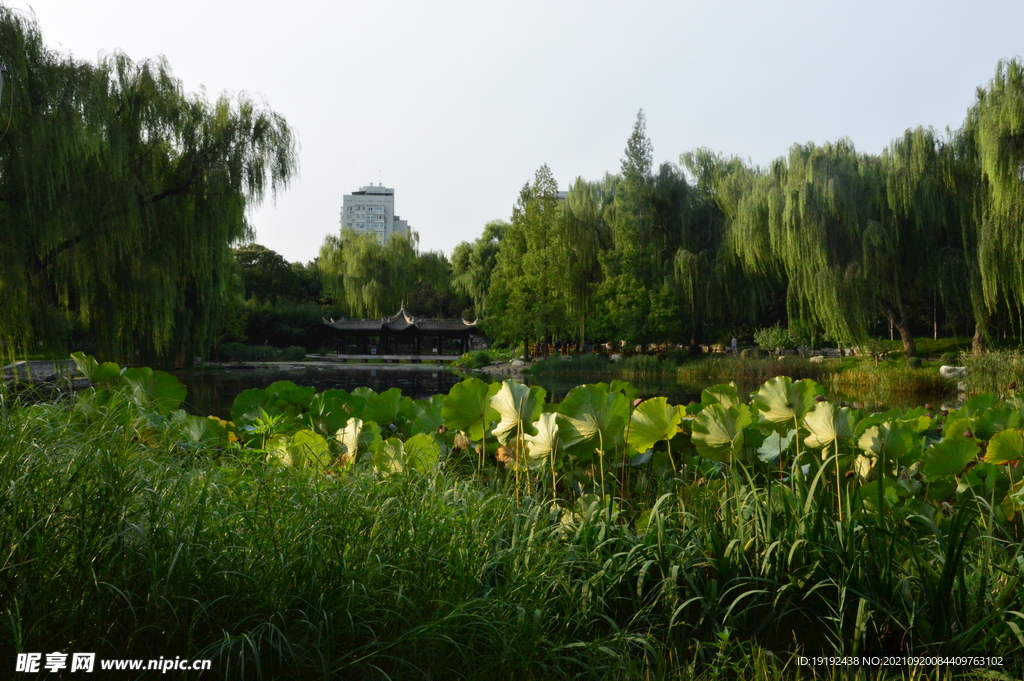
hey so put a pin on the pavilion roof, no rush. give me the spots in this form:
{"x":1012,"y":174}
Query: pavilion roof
{"x":401,"y":321}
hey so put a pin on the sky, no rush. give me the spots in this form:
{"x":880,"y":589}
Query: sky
{"x":456,"y":104}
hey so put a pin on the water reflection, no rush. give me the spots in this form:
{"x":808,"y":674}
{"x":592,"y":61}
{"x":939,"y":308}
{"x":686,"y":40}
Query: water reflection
{"x":212,"y":392}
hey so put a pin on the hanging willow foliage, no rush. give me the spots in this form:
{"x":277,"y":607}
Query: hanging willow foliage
{"x":120,"y":196}
{"x":997,"y":122}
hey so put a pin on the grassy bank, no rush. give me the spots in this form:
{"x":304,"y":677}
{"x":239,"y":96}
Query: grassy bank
{"x":130,"y":536}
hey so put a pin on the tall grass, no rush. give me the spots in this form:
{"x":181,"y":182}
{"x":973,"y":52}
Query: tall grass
{"x":121,"y":543}
{"x":994,"y":371}
{"x":753,"y":369}
{"x":880,"y":384}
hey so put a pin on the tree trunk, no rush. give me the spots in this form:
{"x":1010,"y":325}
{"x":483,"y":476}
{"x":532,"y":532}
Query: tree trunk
{"x":978,"y":343}
{"x":898,"y":318}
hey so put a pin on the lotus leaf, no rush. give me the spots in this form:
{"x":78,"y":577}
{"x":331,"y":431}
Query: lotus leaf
{"x":780,"y":400}
{"x":888,"y":441}
{"x":383,"y":408}
{"x":949,"y":457}
{"x":348,"y":438}
{"x":389,"y":456}
{"x":421,"y":452}
{"x":827,"y":424}
{"x":1005,"y":447}
{"x":542,"y":446}
{"x":467,"y":407}
{"x":156,"y":390}
{"x":591,"y":414}
{"x":774,"y":445}
{"x":309,"y":448}
{"x":994,"y":420}
{"x":725,"y":394}
{"x":331,"y":410}
{"x":292,"y":394}
{"x":652,"y":421}
{"x":718,"y":430}
{"x":518,"y":406}
{"x":93,"y":370}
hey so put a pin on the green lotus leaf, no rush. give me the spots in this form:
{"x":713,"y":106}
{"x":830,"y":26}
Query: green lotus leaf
{"x":518,"y":406}
{"x":278,"y":451}
{"x":331,"y":410}
{"x":389,"y":456}
{"x":369,"y":438}
{"x":827,"y":424}
{"x":592,"y":416}
{"x":427,"y":414}
{"x":780,"y":400}
{"x":774,"y":445}
{"x":724,"y":394}
{"x":383,"y":408}
{"x":1005,"y":446}
{"x":156,"y":390}
{"x":988,"y":423}
{"x":292,"y":394}
{"x":249,"y":406}
{"x":421,"y":452}
{"x":198,"y":431}
{"x":309,"y":448}
{"x":93,"y":370}
{"x":718,"y":430}
{"x":949,"y":457}
{"x":888,"y":441}
{"x":652,"y":421}
{"x":625,"y":388}
{"x":467,"y":407}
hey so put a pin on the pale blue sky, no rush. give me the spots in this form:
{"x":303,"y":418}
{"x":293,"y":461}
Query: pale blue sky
{"x":456,"y":104}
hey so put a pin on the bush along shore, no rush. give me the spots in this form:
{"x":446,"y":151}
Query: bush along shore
{"x":488,"y":533}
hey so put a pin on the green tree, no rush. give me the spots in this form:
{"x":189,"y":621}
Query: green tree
{"x":473,"y":263}
{"x":527,"y":292}
{"x":127,"y":193}
{"x":267,"y":275}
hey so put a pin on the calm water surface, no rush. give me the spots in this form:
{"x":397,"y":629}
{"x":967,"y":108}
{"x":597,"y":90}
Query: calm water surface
{"x":213,"y":391}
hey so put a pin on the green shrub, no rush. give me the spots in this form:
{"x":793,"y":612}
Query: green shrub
{"x":293,"y":353}
{"x":474,"y":359}
{"x":913,"y":362}
{"x":949,"y":358}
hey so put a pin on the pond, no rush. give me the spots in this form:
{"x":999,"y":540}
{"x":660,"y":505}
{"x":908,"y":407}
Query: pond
{"x":213,"y":391}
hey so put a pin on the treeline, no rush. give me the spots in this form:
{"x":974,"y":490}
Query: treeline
{"x":283,"y":304}
{"x":120,"y":197}
{"x":928,"y":234}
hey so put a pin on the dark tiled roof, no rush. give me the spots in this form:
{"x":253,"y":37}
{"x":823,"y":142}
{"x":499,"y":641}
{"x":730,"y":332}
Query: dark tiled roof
{"x":399,"y":322}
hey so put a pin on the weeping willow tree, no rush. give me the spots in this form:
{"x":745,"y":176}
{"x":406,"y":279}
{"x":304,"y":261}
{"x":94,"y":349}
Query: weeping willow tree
{"x":367,"y":278}
{"x":473,"y":263}
{"x":714,"y":288}
{"x":586,"y":235}
{"x":120,"y":196}
{"x":994,"y":131}
{"x":814,"y":215}
{"x":924,"y":250}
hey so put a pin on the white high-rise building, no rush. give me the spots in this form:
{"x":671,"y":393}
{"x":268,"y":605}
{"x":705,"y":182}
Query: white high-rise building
{"x":372,"y":209}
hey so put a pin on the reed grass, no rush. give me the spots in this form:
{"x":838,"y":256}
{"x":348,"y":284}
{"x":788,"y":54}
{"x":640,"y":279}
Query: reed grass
{"x":997,"y":371}
{"x":130,"y":546}
{"x":753,"y":369}
{"x":879,"y":384}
